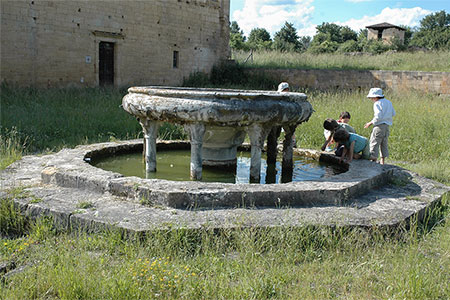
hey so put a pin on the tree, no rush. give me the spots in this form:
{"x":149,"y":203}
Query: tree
{"x":347,"y":34}
{"x":305,"y":42}
{"x":259,"y":38}
{"x":287,"y":39}
{"x":331,"y":36}
{"x":433,"y":32}
{"x":235,"y":29}
{"x":237,"y":38}
{"x":408,"y":35}
{"x":335,"y":33}
{"x":328,"y":31}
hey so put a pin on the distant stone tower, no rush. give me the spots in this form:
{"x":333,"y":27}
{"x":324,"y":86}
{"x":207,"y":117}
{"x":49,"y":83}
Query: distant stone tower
{"x":90,"y":43}
{"x":385,"y":32}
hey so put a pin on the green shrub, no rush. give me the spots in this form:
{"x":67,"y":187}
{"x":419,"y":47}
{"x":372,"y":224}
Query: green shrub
{"x":349,"y":46}
{"x":197,"y":79}
{"x":231,"y":75}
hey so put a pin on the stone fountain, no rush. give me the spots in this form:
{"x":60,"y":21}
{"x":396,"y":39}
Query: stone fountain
{"x":218,"y":121}
{"x":59,"y":185}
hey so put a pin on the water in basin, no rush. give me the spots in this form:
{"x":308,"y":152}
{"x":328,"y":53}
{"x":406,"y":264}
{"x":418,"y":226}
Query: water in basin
{"x":175,"y":165}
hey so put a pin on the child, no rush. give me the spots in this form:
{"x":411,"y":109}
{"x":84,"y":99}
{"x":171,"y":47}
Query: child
{"x":283,"y":87}
{"x":353,"y":145}
{"x":343,"y":120}
{"x":330,"y":126}
{"x":383,"y":112}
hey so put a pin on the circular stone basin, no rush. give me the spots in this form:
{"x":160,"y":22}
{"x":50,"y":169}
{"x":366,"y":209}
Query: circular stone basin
{"x":71,"y":168}
{"x":174,"y":165}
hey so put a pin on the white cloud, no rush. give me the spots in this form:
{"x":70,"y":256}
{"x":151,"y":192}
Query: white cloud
{"x":272,"y":15}
{"x":397,"y":16}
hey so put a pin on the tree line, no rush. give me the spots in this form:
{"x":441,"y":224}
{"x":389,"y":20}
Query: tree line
{"x":433,"y":33}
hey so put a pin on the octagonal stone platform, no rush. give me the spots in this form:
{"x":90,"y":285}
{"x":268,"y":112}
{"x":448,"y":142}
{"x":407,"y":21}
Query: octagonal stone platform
{"x":61,"y":184}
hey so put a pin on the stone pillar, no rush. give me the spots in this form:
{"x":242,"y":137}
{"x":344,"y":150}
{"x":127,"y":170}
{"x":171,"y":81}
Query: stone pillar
{"x":196,"y":133}
{"x":272,"y":144}
{"x":287,"y":164}
{"x":257,"y":134}
{"x":150,"y":129}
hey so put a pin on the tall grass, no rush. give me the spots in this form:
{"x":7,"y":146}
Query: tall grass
{"x":50,"y":119}
{"x":400,"y":61}
{"x":12,"y":147}
{"x":245,"y":263}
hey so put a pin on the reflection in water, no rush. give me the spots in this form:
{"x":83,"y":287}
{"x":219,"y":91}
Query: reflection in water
{"x":175,"y":164}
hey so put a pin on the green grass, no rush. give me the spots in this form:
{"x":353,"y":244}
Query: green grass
{"x":246,"y":263}
{"x":40,"y":120}
{"x":280,"y":263}
{"x":11,"y":147}
{"x":400,"y":61}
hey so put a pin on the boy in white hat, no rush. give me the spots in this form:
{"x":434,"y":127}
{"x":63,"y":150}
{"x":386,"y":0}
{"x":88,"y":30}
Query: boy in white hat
{"x":383,"y":112}
{"x":283,"y":87}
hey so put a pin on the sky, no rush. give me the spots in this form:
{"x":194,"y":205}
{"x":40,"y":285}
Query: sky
{"x":307,"y":14}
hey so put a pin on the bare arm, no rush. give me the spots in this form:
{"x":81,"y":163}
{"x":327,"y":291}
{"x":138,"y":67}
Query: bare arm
{"x":344,"y":153}
{"x":327,"y":142}
{"x":350,"y":152}
{"x":368,"y":124}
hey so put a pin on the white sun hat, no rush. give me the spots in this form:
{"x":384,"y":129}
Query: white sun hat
{"x":375,"y":93}
{"x":282,"y":86}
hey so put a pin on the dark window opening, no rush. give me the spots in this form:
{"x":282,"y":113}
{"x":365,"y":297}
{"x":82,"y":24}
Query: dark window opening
{"x":175,"y":59}
{"x":380,"y":34}
{"x":106,"y":63}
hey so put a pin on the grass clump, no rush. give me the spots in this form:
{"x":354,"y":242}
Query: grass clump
{"x":12,"y":222}
{"x":12,"y":146}
{"x":85,"y":205}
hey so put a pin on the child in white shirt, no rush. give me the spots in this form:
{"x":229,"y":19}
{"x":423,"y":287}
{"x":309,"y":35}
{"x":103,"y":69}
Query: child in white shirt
{"x":383,"y":112}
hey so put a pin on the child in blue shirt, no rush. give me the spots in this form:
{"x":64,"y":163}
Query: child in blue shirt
{"x":355,"y":146}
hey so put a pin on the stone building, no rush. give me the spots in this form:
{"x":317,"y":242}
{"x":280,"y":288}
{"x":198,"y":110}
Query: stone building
{"x":90,"y":43}
{"x":385,"y":32}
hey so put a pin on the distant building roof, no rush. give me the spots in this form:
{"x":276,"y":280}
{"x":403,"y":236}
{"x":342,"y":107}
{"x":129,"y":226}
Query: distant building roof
{"x":384,"y":26}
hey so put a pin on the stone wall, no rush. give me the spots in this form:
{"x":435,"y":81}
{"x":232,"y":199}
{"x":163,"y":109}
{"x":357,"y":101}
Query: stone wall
{"x":430,"y":82}
{"x":56,"y":43}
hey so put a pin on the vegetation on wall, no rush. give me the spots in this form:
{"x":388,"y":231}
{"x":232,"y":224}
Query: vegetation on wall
{"x":231,"y":75}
